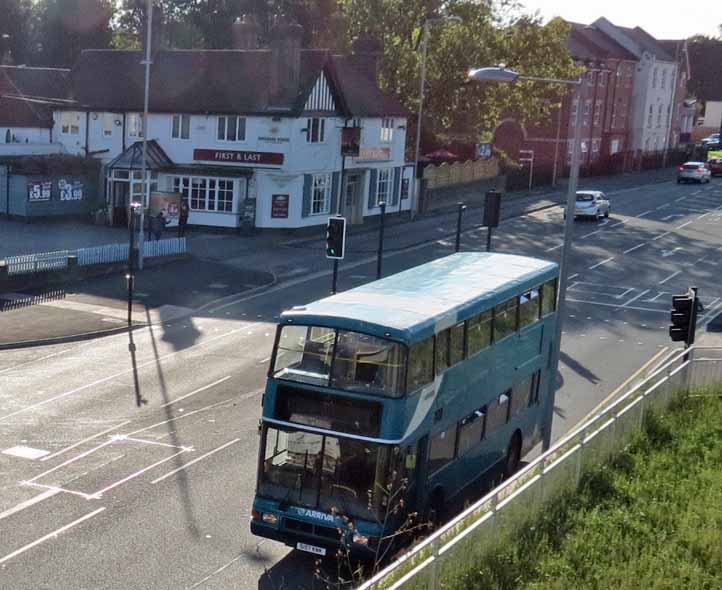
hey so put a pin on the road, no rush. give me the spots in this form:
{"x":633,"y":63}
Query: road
{"x":122,"y":470}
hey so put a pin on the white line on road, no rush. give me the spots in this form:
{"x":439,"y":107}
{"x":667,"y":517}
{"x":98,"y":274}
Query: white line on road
{"x":684,"y":224}
{"x":23,"y":505}
{"x":99,"y":493}
{"x":703,"y":216}
{"x":69,"y":461}
{"x":661,"y":235}
{"x":664,"y":206}
{"x":633,"y":299}
{"x":80,"y":442}
{"x":635,"y":247}
{"x":170,"y":403}
{"x":155,"y":442}
{"x":670,"y":277}
{"x":643,"y":214}
{"x":591,"y":233}
{"x":622,"y":222}
{"x":602,"y":262}
{"x":228,"y":444}
{"x":618,"y":306}
{"x":264,"y":361}
{"x":554,"y":248}
{"x":668,"y":217}
{"x":52,"y":535}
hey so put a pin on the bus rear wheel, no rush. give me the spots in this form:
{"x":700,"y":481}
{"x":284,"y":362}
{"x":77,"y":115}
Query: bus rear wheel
{"x":513,"y":455}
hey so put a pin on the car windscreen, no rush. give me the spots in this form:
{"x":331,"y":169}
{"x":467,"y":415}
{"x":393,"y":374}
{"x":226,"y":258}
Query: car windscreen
{"x":340,"y":358}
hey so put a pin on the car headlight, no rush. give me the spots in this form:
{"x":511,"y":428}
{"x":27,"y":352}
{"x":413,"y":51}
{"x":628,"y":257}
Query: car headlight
{"x":360,"y":539}
{"x":270,"y":518}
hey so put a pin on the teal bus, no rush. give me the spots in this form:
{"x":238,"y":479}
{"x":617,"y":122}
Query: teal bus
{"x":392,"y":398}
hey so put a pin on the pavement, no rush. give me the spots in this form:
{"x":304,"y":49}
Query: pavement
{"x":222,"y":265}
{"x":135,"y":467}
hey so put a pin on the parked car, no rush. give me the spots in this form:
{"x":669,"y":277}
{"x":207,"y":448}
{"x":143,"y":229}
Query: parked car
{"x":713,"y":139}
{"x":693,"y":172}
{"x":591,"y":204}
{"x":715,"y":165}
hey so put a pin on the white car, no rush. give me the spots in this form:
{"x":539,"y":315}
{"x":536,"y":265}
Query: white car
{"x":591,"y":204}
{"x":693,"y":172}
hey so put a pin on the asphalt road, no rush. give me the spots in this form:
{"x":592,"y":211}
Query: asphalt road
{"x":138,"y":471}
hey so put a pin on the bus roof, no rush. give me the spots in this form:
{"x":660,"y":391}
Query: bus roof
{"x":418,"y":302}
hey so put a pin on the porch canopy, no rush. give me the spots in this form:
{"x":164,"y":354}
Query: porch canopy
{"x":132,"y":158}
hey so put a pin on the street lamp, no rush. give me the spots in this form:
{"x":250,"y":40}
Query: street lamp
{"x":502,"y":74}
{"x":135,"y":206}
{"x":424,"y":44}
{"x":147,"y":62}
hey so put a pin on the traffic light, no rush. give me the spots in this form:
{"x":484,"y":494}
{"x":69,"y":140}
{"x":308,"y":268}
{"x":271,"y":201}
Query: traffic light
{"x":336,"y":237}
{"x":684,"y":317}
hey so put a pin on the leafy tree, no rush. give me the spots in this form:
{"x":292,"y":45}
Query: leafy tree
{"x":16,"y":31}
{"x":66,"y":27}
{"x":488,"y":34}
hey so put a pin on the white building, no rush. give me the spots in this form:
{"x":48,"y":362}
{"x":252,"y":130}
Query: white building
{"x":655,"y":81}
{"x":244,"y":134}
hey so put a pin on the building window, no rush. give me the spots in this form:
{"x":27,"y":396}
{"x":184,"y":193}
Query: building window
{"x":602,"y":78}
{"x":315,"y":130}
{"x":231,"y":128}
{"x":387,"y":130}
{"x":659,"y":116}
{"x":321,"y":194}
{"x":574,"y":109}
{"x":590,"y":78}
{"x":181,"y":127}
{"x":69,"y":123}
{"x":108,"y":124}
{"x":383,"y":186}
{"x":205,"y":194}
{"x":654,"y":78}
{"x":663,"y":83}
{"x":669,"y":113}
{"x":650,"y":115}
{"x":356,"y":122}
{"x":595,"y":145}
{"x":597,"y":112}
{"x":134,"y":123}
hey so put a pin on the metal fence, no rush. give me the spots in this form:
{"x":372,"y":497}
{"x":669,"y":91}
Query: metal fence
{"x":30,"y":263}
{"x":456,"y":546}
{"x":106,"y":254}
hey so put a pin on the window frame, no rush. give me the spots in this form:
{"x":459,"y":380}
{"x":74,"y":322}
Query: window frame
{"x":489,"y":313}
{"x":180,"y":119}
{"x":66,"y":127}
{"x":430,"y":374}
{"x":210,"y":186}
{"x":476,"y":417}
{"x":533,"y":297}
{"x":387,"y":130}
{"x":316,"y":130}
{"x":240,"y":126}
{"x":321,"y":183}
{"x":515,"y":301}
{"x":553,"y":283}
{"x":134,"y":125}
{"x":453,"y":429}
{"x":387,"y":181}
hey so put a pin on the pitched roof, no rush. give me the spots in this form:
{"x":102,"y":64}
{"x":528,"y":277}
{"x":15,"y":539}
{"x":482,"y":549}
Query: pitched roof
{"x":22,"y":84}
{"x":706,"y":64}
{"x":647,"y":42}
{"x":603,"y":44}
{"x":217,"y":81}
{"x":132,"y":157}
{"x":23,"y":113}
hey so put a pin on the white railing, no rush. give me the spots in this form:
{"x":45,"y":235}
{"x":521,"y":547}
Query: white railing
{"x":457,"y":545}
{"x":29,"y":263}
{"x":108,"y":253}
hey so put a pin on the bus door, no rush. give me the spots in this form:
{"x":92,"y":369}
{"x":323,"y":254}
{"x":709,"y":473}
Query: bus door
{"x":417,"y":470}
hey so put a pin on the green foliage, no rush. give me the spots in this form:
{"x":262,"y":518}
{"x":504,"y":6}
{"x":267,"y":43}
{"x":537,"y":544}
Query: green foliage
{"x":651,"y":519}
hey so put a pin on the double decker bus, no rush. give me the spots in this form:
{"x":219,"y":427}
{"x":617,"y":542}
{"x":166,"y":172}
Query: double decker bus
{"x":425,"y":381}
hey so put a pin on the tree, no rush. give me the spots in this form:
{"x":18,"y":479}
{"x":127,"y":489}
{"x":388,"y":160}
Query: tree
{"x":490,"y":33}
{"x":66,"y":27}
{"x":16,"y":31}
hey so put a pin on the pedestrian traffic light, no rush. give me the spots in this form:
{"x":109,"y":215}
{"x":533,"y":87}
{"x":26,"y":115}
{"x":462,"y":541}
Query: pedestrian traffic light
{"x":684,"y":317}
{"x":336,"y":237}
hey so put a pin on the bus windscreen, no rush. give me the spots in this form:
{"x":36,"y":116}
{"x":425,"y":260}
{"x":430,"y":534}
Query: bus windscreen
{"x":340,"y":358}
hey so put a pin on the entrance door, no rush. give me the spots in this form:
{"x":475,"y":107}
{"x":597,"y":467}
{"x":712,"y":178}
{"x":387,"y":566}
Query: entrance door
{"x":353,"y":203}
{"x":120,"y":202}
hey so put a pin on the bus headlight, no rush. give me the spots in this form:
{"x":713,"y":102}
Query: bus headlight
{"x":270,"y":518}
{"x":360,"y":539}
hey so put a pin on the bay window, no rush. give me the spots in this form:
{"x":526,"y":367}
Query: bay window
{"x":205,"y":194}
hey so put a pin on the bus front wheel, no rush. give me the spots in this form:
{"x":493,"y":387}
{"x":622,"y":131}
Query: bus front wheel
{"x":513,"y":455}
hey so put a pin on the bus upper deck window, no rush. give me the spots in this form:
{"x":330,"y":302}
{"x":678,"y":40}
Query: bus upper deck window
{"x":549,"y":296}
{"x":505,"y":319}
{"x":421,"y":364}
{"x":528,"y":307}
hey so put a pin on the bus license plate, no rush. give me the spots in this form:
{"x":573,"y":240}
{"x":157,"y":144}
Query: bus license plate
{"x":311,"y":549}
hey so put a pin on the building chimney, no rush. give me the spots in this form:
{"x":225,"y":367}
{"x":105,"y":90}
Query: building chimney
{"x":367,"y":52}
{"x":285,"y":43}
{"x":245,"y":33}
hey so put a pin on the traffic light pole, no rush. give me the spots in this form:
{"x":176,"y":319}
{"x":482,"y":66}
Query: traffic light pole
{"x":380,"y":254}
{"x":335,"y":276}
{"x":458,"y":227}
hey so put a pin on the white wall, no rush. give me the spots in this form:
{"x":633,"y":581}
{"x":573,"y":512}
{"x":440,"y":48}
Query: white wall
{"x":713,"y":114}
{"x":73,"y":143}
{"x":26,"y":134}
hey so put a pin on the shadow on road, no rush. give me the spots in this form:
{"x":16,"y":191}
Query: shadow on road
{"x":294,"y":572}
{"x":578,"y":368}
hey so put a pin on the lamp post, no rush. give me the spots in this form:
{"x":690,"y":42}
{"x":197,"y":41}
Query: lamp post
{"x":502,"y":74}
{"x":424,"y":45}
{"x":135,"y":206}
{"x":147,"y":61}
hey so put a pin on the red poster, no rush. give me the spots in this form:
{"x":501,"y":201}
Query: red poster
{"x":236,"y":157}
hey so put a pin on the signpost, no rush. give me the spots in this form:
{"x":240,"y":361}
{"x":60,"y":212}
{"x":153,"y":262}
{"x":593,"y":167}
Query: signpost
{"x":279,"y":206}
{"x":238,"y":157}
{"x":528,"y":157}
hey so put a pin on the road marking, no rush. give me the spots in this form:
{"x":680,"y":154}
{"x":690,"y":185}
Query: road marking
{"x":100,"y":493}
{"x":554,"y":248}
{"x":228,"y":444}
{"x":576,"y":274}
{"x":617,"y":306}
{"x":200,"y":389}
{"x":705,"y":215}
{"x":622,"y":222}
{"x":80,"y":442}
{"x":653,"y":299}
{"x":667,"y":253}
{"x":152,"y":442}
{"x":621,"y":295}
{"x":635,"y":247}
{"x":52,"y":535}
{"x":674,"y":274}
{"x":668,"y":217}
{"x":591,"y":233}
{"x":69,"y":461}
{"x":264,"y":361}
{"x":645,"y":213}
{"x":661,"y":235}
{"x":23,"y":505}
{"x":633,"y":299}
{"x":152,"y":362}
{"x":684,"y":224}
{"x":602,"y":262}
{"x":59,"y":489}
{"x":664,"y":206}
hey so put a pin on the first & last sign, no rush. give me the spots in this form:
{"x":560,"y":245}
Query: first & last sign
{"x":234,"y":156}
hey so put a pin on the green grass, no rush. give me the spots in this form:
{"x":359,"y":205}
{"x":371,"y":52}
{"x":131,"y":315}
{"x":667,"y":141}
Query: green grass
{"x":651,"y":520}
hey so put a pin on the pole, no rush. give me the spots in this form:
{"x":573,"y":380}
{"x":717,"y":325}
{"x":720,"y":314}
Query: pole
{"x":147,"y":61}
{"x":556,"y":145}
{"x":531,"y":170}
{"x":380,"y":254}
{"x":563,"y":274}
{"x":414,"y":184}
{"x":335,"y":276}
{"x":458,"y":227}
{"x":488,"y":239}
{"x":131,"y":265}
{"x":340,"y":188}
